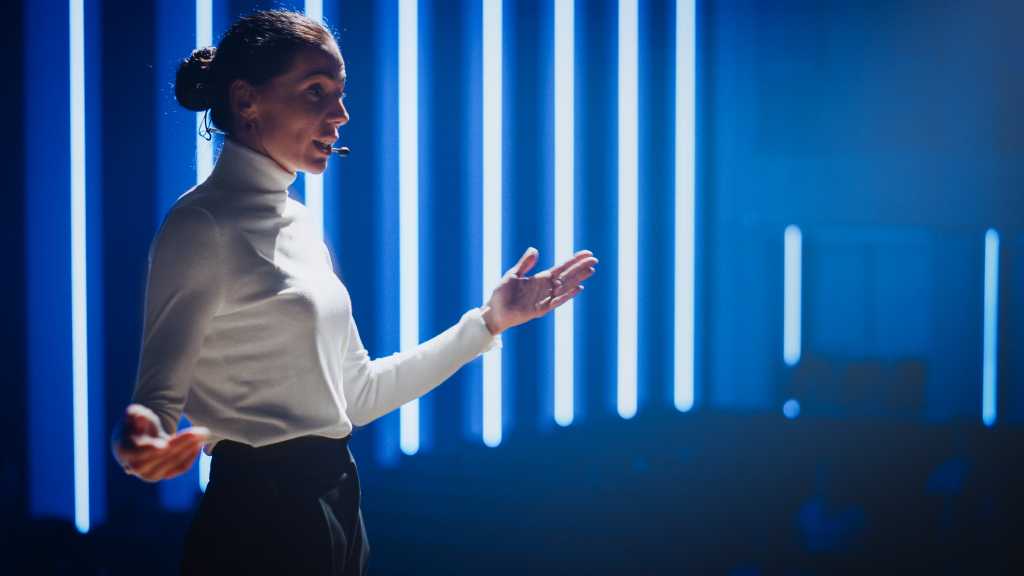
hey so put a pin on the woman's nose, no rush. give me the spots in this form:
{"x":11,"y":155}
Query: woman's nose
{"x":340,"y":114}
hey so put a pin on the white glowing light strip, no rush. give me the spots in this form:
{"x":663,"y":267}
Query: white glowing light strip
{"x":315,"y":9}
{"x":793,"y":268}
{"x":686,"y":215}
{"x":315,"y":182}
{"x":564,"y":188}
{"x":79,"y":318}
{"x":492,"y":71}
{"x":990,"y":348}
{"x":408,"y":191}
{"x":204,"y":161}
{"x":627,"y":308}
{"x":204,"y":37}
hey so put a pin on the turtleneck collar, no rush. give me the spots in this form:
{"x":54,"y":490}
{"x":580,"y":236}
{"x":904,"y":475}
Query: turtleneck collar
{"x":246,"y":170}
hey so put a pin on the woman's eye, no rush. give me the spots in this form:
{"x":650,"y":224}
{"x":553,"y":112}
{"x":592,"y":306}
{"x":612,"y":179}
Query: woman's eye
{"x":315,"y":90}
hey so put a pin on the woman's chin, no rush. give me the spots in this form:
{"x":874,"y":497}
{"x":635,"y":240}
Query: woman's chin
{"x":316,"y":166}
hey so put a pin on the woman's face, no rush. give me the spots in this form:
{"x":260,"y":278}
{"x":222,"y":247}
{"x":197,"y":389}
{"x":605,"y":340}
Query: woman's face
{"x":299,"y":112}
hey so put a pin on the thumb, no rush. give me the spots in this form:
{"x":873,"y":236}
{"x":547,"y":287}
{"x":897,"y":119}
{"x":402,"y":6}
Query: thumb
{"x":526,"y":261}
{"x":142,"y":420}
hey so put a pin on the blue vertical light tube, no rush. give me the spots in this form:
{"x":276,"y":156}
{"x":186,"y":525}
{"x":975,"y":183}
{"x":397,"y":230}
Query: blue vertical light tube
{"x":628,"y":206}
{"x":408,"y":184}
{"x":314,"y":183}
{"x":204,"y":161}
{"x":991,"y":329}
{"x":79,"y":264}
{"x":331,"y":201}
{"x":793,"y":264}
{"x":564,"y":120}
{"x":491,"y":23}
{"x":686,"y":210}
{"x":66,"y":476}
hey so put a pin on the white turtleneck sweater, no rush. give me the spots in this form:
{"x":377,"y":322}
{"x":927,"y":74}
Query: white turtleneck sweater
{"x":249,"y":331}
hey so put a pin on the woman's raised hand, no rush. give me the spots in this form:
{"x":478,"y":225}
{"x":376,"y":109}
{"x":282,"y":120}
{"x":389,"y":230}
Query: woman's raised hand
{"x":145,"y":450}
{"x":519,"y":299}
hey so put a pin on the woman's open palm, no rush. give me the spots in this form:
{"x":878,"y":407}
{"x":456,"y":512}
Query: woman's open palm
{"x":145,"y":450}
{"x":520,"y":298}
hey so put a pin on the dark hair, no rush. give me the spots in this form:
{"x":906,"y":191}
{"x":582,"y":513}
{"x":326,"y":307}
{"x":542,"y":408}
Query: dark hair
{"x":256,"y":48}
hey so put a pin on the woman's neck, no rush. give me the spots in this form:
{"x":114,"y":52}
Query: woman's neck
{"x":249,"y":140}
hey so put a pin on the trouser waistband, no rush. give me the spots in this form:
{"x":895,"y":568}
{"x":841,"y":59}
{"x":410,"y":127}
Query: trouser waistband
{"x":305,"y":460}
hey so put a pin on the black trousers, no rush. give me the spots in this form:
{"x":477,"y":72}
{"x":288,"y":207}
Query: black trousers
{"x":285,"y":508}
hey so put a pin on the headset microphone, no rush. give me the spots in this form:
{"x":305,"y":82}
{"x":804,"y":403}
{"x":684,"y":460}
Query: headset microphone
{"x":342,"y":151}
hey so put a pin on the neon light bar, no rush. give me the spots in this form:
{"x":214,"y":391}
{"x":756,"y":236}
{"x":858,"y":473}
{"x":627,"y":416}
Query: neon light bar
{"x":314,"y":183}
{"x":408,"y":191}
{"x":792,"y":311}
{"x":565,"y":75}
{"x":990,"y":345}
{"x":204,"y":162}
{"x":627,"y":308}
{"x":79,"y":317}
{"x":685,"y":189}
{"x":492,"y":86}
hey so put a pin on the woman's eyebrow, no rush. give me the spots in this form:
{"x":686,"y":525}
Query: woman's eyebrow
{"x":323,"y":72}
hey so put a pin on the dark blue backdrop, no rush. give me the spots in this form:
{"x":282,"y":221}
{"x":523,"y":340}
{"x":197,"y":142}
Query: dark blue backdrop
{"x":889,"y":132}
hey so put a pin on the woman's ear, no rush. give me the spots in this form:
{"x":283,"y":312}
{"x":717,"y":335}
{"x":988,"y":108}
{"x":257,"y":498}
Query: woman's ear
{"x":244,"y":100}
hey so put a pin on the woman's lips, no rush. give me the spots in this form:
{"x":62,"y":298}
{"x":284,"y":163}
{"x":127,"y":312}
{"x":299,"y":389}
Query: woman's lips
{"x":321,"y":147}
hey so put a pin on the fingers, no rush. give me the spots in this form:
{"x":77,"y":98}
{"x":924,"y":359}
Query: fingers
{"x":155,"y":458}
{"x":567,"y":278}
{"x":179,"y":464}
{"x":177,"y":456}
{"x":582,"y":270}
{"x":526,"y":261}
{"x":558,"y":301}
{"x":142,"y":460}
{"x":559,"y":270}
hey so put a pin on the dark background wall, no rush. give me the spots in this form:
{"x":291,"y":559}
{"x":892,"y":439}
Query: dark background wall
{"x":13,"y":328}
{"x":889,"y":132}
{"x":884,"y":130}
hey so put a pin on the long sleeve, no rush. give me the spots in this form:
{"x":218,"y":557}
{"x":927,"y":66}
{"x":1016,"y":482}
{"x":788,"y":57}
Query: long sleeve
{"x":375,"y":387}
{"x":184,"y":289}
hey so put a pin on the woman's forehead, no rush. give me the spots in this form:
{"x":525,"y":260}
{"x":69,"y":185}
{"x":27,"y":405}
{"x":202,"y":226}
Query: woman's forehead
{"x":326,"y":60}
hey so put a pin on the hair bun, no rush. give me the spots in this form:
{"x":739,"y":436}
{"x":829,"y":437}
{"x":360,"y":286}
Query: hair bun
{"x":192,"y":83}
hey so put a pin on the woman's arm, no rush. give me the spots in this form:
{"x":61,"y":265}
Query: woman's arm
{"x":375,"y":387}
{"x":184,"y":289}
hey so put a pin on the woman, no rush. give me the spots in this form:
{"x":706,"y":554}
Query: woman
{"x":249,"y":331}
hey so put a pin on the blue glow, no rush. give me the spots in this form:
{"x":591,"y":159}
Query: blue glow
{"x":79,"y":317}
{"x":628,"y":230}
{"x":791,"y":408}
{"x":204,"y":161}
{"x":492,"y":87}
{"x":793,"y":271}
{"x":685,"y":191}
{"x":990,"y":345}
{"x":408,"y":191}
{"x":564,"y":119}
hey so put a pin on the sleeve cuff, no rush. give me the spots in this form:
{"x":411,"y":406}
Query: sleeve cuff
{"x":488,"y":341}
